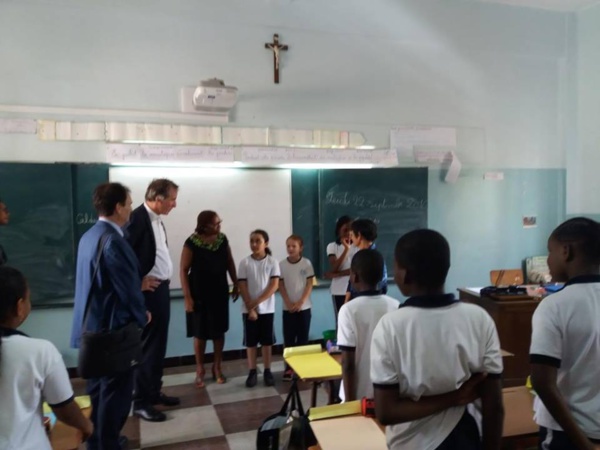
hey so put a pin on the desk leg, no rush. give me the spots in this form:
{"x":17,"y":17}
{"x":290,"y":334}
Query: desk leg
{"x":331,"y":392}
{"x":313,"y":394}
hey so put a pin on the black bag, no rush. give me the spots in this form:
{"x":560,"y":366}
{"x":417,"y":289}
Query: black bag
{"x":289,"y":429}
{"x":108,"y":352}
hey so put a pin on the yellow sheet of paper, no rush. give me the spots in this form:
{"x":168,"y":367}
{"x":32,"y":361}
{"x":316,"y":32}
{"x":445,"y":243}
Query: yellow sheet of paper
{"x":342,"y":409}
{"x":302,"y":350}
{"x":315,"y":365}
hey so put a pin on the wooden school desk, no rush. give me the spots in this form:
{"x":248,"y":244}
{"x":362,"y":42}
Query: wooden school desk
{"x":312,"y":364}
{"x":64,"y":437}
{"x":512,"y":316}
{"x":359,"y":433}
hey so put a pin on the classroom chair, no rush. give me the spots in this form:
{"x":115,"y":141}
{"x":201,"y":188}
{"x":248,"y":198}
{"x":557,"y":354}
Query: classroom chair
{"x":506,"y":277}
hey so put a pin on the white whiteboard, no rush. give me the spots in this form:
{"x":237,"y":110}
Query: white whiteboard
{"x":244,"y":199}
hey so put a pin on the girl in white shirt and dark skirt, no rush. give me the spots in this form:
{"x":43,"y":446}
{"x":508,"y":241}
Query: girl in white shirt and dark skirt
{"x":339,"y":255}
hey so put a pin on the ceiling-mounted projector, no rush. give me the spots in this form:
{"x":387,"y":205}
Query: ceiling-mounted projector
{"x":209,"y":97}
{"x":213,"y":96}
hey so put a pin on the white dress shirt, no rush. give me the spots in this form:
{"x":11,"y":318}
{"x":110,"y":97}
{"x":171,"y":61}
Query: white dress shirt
{"x":163,"y":266}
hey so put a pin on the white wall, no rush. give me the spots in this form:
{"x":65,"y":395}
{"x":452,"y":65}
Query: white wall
{"x":500,"y":74}
{"x":584,"y":161}
{"x":496,"y":71}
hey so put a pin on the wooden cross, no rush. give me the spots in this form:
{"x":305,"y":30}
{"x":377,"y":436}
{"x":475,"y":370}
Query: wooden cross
{"x":276,"y":47}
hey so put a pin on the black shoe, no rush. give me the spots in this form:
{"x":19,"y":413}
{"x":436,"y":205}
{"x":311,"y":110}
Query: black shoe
{"x":150,"y":414}
{"x":166,"y":400}
{"x":251,"y":380}
{"x":123,"y":442}
{"x":268,"y":377}
{"x":288,"y":375}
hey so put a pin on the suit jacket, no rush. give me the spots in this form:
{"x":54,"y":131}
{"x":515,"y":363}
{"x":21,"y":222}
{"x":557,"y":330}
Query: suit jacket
{"x":116,"y":292}
{"x":140,"y":236}
{"x":3,"y":257}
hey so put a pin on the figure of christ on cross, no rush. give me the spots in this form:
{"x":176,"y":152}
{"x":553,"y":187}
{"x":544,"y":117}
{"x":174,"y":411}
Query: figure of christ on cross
{"x":276,"y":47}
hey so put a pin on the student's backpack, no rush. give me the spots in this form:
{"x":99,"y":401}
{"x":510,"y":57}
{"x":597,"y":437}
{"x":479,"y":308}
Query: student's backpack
{"x":289,"y":429}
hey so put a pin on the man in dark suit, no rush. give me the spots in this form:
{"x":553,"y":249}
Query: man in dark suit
{"x":4,"y":216}
{"x":147,"y":236}
{"x":116,"y":300}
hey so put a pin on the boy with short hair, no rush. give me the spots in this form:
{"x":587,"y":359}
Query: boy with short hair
{"x":356,"y":322}
{"x":363,"y":233}
{"x":565,"y":343}
{"x":429,"y":355}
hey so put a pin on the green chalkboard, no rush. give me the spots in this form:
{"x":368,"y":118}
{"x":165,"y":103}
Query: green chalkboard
{"x":50,"y":207}
{"x":305,"y":212}
{"x":396,"y":199}
{"x":85,"y":179}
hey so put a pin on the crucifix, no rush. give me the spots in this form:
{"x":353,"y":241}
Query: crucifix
{"x":276,"y":47}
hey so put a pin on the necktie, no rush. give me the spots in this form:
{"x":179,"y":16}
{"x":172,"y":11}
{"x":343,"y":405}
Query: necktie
{"x":164,"y":230}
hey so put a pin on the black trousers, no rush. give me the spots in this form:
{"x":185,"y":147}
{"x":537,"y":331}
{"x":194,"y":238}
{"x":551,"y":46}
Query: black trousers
{"x":111,"y":402}
{"x":148,"y":374}
{"x":338,"y":302}
{"x":557,"y":440}
{"x":464,"y":436}
{"x":296,"y":327}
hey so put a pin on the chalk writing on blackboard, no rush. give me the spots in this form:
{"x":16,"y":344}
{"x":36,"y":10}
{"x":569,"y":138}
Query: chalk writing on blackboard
{"x":85,"y":219}
{"x":373,"y":200}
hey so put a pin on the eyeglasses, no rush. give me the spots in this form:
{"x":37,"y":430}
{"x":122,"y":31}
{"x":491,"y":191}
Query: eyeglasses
{"x":216,"y":224}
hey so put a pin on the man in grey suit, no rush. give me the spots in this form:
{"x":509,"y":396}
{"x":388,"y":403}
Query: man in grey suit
{"x":116,"y":300}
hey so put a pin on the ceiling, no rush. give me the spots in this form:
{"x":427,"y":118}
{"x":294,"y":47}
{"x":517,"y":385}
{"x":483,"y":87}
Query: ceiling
{"x":555,"y":5}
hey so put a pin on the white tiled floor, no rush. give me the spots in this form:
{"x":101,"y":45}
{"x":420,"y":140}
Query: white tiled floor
{"x":235,"y":390}
{"x":277,"y":366}
{"x":242,"y":441}
{"x":182,"y":425}
{"x":175,"y":380}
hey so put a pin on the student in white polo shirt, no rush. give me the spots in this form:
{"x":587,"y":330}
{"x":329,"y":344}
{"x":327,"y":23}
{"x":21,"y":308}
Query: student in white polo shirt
{"x":258,"y":279}
{"x":31,"y":371}
{"x":357,"y":320}
{"x":565,"y":344}
{"x":339,"y":255}
{"x":428,"y":355}
{"x":295,"y":287}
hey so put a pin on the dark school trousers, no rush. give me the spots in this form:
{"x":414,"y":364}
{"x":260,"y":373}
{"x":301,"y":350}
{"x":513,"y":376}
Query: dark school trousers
{"x":148,"y":374}
{"x":111,"y":402}
{"x":338,"y":302}
{"x":464,"y":436}
{"x":295,"y":328}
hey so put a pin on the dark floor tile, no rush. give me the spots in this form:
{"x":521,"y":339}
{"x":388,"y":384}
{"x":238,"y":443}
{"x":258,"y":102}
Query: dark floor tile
{"x":247,"y":415}
{"x":214,"y":443}
{"x":283,"y":387}
{"x":178,"y":370}
{"x":132,"y":431}
{"x":189,"y":395}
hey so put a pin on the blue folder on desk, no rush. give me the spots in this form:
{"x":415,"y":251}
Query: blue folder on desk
{"x":553,"y":287}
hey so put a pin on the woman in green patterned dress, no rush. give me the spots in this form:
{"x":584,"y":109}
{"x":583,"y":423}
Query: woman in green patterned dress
{"x":205,"y":262}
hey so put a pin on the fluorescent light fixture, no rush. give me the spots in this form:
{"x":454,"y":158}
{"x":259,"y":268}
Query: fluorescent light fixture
{"x":181,"y":164}
{"x":175,"y":173}
{"x":325,"y":166}
{"x":365,"y":147}
{"x":143,"y":141}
